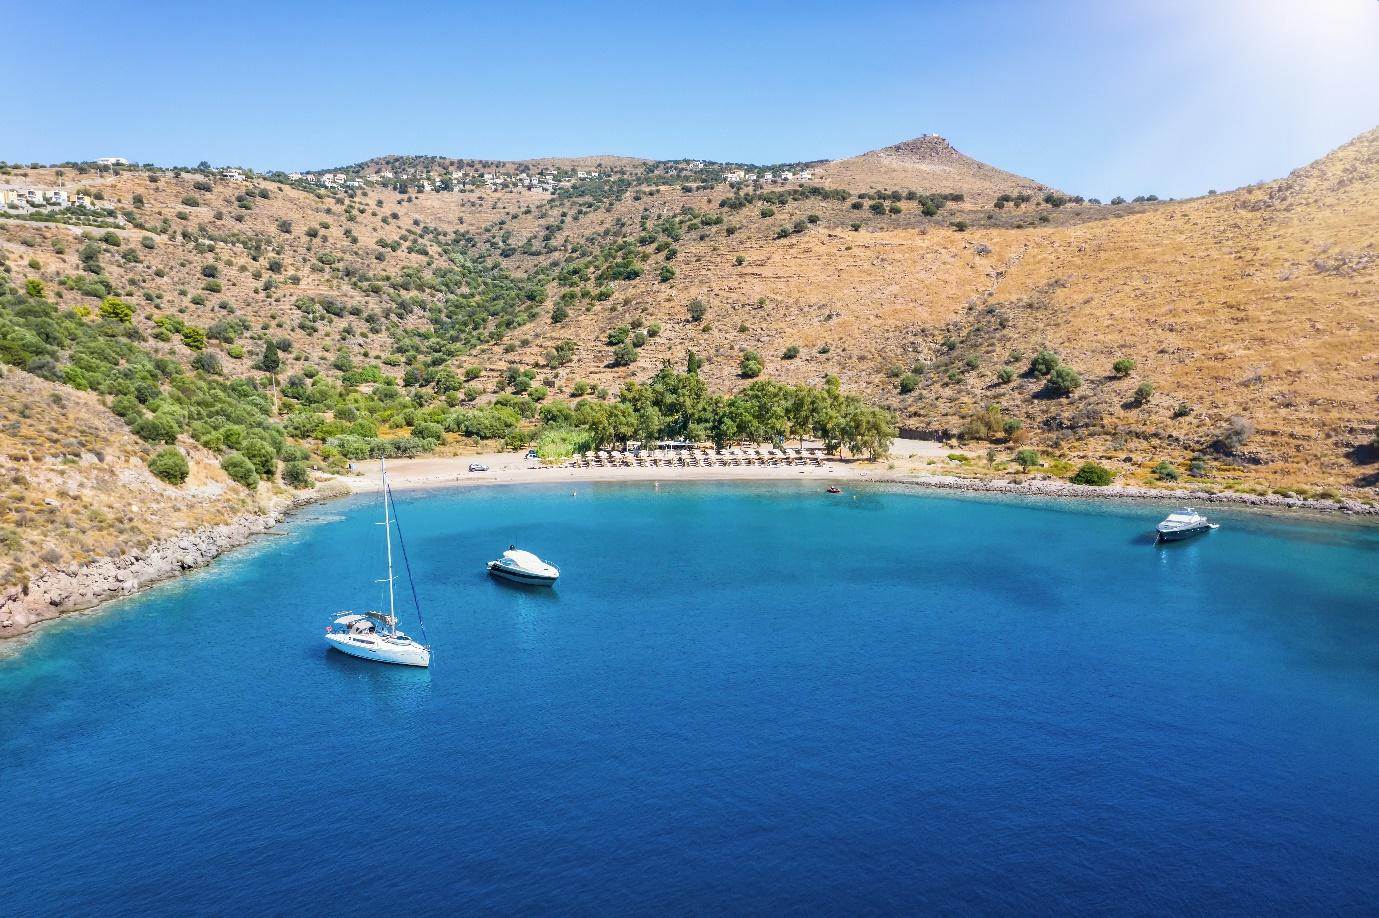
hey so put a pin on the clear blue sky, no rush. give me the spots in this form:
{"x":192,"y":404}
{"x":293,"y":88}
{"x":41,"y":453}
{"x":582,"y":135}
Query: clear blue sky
{"x":1100,"y":98}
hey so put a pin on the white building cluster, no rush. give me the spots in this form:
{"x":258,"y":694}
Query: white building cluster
{"x":741,"y":177}
{"x":14,"y":198}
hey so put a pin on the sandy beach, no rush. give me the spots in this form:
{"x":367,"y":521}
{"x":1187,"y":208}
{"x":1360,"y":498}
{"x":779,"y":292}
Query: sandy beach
{"x":512,"y":468}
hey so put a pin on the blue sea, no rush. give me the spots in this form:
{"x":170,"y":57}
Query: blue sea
{"x":745,"y":699}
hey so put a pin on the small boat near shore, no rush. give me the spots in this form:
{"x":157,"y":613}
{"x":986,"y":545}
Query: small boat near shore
{"x":1184,"y":524}
{"x":524,"y":567}
{"x":834,"y":489}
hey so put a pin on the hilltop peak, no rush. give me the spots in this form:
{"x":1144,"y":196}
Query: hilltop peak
{"x":917,"y":149}
{"x":928,"y":163}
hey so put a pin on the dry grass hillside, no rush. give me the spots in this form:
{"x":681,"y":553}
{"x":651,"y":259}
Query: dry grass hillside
{"x":76,"y":487}
{"x":1253,"y":315}
{"x":929,"y":164}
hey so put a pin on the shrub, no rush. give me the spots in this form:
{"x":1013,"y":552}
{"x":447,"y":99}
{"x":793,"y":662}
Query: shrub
{"x":112,"y":307}
{"x":156,"y":428}
{"x":1123,"y":367}
{"x":990,"y":424}
{"x":1165,"y":471}
{"x":618,"y":335}
{"x":1143,"y":392}
{"x":170,"y":465}
{"x":207,"y":362}
{"x":1005,"y":375}
{"x":791,"y":352}
{"x":908,"y":383}
{"x":1027,"y":458}
{"x":1198,"y":467}
{"x":624,"y":354}
{"x":194,"y":338}
{"x":751,"y":365}
{"x":1063,"y":381}
{"x":667,"y":273}
{"x":697,"y":310}
{"x":1044,"y":363}
{"x":1093,"y":474}
{"x":296,"y":475}
{"x":240,"y":470}
{"x":1183,"y":410}
{"x":1234,"y":436}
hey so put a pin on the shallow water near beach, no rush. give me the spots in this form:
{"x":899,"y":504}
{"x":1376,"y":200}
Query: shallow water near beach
{"x":739,"y":698}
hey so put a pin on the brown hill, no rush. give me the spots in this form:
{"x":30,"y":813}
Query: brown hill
{"x":1254,"y":317}
{"x":926,"y":164}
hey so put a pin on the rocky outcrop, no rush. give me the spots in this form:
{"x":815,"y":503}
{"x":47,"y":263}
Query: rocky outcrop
{"x":59,"y":591}
{"x":1044,"y":487}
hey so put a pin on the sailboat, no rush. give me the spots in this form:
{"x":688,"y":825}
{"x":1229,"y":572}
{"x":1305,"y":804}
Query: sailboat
{"x":374,"y":635}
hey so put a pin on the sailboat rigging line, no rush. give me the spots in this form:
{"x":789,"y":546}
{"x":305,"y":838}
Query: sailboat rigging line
{"x":397,"y":524}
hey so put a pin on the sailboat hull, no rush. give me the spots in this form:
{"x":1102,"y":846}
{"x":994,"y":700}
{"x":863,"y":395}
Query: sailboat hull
{"x":372,"y":647}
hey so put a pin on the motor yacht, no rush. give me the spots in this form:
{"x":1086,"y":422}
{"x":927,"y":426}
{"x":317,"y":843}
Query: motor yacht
{"x":523,"y":567}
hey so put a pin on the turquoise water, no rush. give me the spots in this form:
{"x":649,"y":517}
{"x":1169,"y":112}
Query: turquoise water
{"x":739,"y":698}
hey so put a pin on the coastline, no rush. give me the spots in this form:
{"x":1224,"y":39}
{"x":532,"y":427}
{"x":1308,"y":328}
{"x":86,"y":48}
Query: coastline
{"x":1056,"y":488}
{"x":59,"y":592}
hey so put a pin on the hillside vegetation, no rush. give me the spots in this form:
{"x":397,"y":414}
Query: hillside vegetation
{"x":286,"y":326}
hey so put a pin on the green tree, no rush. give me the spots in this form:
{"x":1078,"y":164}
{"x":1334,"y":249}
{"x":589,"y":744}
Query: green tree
{"x":170,"y":465}
{"x":295,"y":474}
{"x":240,"y":470}
{"x":624,"y":354}
{"x":693,"y":362}
{"x":870,"y":431}
{"x":263,"y":456}
{"x":751,"y":365}
{"x":1092,"y":474}
{"x":697,"y":310}
{"x":34,"y":288}
{"x":270,"y":362}
{"x":1027,"y":458}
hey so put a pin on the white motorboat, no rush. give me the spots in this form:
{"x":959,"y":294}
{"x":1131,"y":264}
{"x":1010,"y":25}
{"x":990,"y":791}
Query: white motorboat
{"x":374,"y":635}
{"x":1184,"y":524}
{"x":524,"y":567}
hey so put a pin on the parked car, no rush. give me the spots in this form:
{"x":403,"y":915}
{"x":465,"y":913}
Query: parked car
{"x":477,"y":467}
{"x":532,"y":454}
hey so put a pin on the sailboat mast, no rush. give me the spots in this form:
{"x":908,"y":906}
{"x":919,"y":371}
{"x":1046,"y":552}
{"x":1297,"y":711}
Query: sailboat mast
{"x":388,"y":538}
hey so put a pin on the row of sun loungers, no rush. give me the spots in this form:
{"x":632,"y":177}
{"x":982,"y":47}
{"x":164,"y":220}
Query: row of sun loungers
{"x":697,"y":458}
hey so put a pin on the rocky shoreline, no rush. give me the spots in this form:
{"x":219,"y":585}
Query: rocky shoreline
{"x":61,"y":591}
{"x":1054,"y":488}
